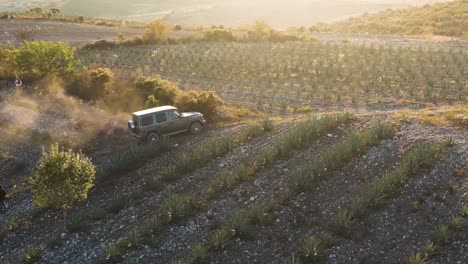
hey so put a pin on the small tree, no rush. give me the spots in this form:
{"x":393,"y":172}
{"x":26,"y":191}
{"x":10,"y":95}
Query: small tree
{"x":41,"y":57}
{"x":61,"y":178}
{"x":156,"y":32}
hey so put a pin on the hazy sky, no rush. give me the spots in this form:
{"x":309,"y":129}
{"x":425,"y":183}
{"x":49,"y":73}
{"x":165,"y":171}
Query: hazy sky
{"x":279,"y":13}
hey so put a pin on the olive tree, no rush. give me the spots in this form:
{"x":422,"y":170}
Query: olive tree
{"x":62,"y":178}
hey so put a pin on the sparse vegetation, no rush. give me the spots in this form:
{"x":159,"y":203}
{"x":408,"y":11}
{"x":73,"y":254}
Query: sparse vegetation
{"x":306,"y":176}
{"x":76,"y":223}
{"x":445,"y":19}
{"x":31,"y":254}
{"x":257,"y":183}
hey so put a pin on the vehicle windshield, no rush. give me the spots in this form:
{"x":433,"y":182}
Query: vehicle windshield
{"x":173,"y":115}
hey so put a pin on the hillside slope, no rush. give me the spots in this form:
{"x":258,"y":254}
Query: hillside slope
{"x":448,"y":19}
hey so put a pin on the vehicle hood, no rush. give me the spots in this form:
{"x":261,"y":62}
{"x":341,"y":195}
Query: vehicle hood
{"x":191,"y":114}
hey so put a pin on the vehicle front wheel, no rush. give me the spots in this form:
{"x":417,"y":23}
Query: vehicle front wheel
{"x":195,"y":128}
{"x":153,"y":138}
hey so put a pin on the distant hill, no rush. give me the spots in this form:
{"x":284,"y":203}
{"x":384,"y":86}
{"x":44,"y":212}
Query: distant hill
{"x":446,"y":19}
{"x":278,"y":13}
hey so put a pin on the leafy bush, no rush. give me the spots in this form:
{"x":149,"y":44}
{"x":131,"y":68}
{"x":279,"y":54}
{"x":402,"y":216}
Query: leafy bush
{"x":208,"y":103}
{"x":89,"y":85}
{"x":6,"y":60}
{"x":218,"y":34}
{"x":43,"y":58}
{"x":157,"y":91}
{"x":61,"y":178}
{"x":156,"y":32}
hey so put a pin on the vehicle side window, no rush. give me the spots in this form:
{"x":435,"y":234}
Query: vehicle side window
{"x":161,"y":117}
{"x":146,"y":121}
{"x":172,"y":115}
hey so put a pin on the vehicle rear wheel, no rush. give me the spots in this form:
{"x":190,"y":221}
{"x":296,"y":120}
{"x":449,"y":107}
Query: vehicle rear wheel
{"x":153,"y":138}
{"x":195,"y":128}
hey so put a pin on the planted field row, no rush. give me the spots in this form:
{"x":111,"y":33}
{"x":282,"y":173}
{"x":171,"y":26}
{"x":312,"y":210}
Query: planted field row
{"x":302,"y":71}
{"x":178,"y":206}
{"x":241,"y":221}
{"x":121,"y":161}
{"x":373,"y":195}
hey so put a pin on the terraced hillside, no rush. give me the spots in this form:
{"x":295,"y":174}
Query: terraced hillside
{"x":313,"y":188}
{"x":331,"y":150}
{"x":291,"y":75}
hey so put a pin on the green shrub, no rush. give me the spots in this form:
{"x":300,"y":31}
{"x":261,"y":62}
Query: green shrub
{"x":255,"y":213}
{"x":253,"y":130}
{"x":117,"y":203}
{"x":177,"y":207}
{"x":170,"y":173}
{"x":156,"y":32}
{"x":12,"y":224}
{"x":441,"y":234}
{"x":76,"y":224}
{"x":313,"y":249}
{"x":61,"y":178}
{"x":153,"y":183}
{"x":40,"y":57}
{"x":153,"y":226}
{"x":268,"y":124}
{"x":132,"y":239}
{"x":31,"y":254}
{"x":198,"y":254}
{"x":112,"y":253}
{"x":90,"y":85}
{"x":184,"y":164}
{"x":157,"y":91}
{"x":53,"y":241}
{"x":239,"y":223}
{"x":208,"y":103}
{"x":218,"y":34}
{"x":344,"y":222}
{"x":97,"y":213}
{"x":220,"y":239}
{"x":416,"y":258}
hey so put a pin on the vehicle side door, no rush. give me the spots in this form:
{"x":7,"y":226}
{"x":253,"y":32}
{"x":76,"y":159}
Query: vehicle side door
{"x":176,"y":122}
{"x":146,"y":123}
{"x":163,"y":125}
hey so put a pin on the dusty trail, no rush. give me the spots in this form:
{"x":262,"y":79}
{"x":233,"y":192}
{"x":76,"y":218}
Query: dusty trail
{"x":199,"y":227}
{"x":138,"y":210}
